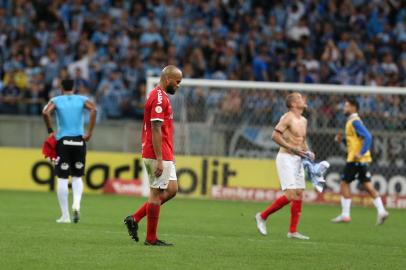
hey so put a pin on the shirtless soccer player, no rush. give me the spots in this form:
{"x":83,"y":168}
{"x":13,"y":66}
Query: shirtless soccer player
{"x":290,"y":134}
{"x":157,"y":154}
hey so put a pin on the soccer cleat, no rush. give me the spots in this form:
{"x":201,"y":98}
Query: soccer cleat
{"x":63,"y":220}
{"x":297,"y":235}
{"x":158,"y":243}
{"x":261,"y":224}
{"x":341,"y":219}
{"x":76,"y":216}
{"x":381,"y":218}
{"x":132,"y":227}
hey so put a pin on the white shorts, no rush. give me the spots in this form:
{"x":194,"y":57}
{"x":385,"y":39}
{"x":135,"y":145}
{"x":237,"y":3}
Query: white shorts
{"x":290,"y":171}
{"x":168,"y":174}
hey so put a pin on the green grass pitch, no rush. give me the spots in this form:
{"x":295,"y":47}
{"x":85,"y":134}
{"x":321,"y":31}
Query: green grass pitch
{"x":207,"y":235}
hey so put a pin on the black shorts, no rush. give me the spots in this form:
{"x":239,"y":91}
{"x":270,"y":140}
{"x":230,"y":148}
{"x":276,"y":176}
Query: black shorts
{"x":71,"y":152}
{"x":356,"y":170}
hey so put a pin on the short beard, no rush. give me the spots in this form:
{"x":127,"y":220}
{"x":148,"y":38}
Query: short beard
{"x":170,"y":89}
{"x":303,"y":108}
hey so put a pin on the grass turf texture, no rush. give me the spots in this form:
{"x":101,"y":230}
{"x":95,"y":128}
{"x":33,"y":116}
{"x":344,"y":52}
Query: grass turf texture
{"x":207,"y":235}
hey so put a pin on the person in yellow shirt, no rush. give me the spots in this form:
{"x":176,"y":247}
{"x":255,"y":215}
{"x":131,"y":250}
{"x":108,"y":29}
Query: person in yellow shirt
{"x":358,"y":141}
{"x":19,"y":77}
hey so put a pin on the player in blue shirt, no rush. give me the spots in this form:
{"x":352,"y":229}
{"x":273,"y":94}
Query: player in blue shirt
{"x":71,"y":144}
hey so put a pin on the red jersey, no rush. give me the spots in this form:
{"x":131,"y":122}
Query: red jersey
{"x":158,"y":108}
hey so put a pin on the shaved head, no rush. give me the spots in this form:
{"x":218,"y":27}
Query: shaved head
{"x":171,"y":76}
{"x":171,"y":71}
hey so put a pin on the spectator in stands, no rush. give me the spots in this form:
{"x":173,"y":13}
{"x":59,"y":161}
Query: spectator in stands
{"x":260,"y":65}
{"x":153,"y":37}
{"x":331,"y":53}
{"x":34,"y":99}
{"x":388,"y":66}
{"x":10,"y":98}
{"x":56,"y":89}
{"x":16,"y":75}
{"x":376,"y":21}
{"x":351,"y":42}
{"x":112,"y":94}
{"x":261,"y":113}
{"x":51,"y":65}
{"x":295,"y":13}
{"x":271,"y":27}
{"x":199,"y":63}
{"x":134,"y":107}
{"x":43,"y":36}
{"x":298,"y":31}
{"x":230,"y":108}
{"x":303,"y":75}
{"x":79,"y":81}
{"x":84,"y":91}
{"x":196,"y":105}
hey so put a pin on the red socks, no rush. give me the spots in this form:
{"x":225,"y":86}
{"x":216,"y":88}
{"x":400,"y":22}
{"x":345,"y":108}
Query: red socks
{"x":275,"y":206}
{"x":152,"y":221}
{"x":295,"y":210}
{"x":142,"y":211}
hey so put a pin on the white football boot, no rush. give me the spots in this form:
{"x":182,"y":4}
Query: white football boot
{"x":63,"y":220}
{"x":297,"y":235}
{"x":261,"y":224}
{"x":341,"y":219}
{"x":381,"y":218}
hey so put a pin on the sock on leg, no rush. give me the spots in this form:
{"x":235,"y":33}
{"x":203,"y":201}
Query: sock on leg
{"x":142,"y":211}
{"x":275,"y":206}
{"x":346,"y":206}
{"x":152,"y":221}
{"x":62,"y":193}
{"x":379,"y":205}
{"x":295,"y":211}
{"x":77,"y":190}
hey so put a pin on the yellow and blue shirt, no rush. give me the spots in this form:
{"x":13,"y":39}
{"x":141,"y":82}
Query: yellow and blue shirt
{"x":358,"y":140}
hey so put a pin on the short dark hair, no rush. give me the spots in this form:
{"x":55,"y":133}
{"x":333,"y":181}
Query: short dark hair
{"x":67,"y":84}
{"x":353,"y":102}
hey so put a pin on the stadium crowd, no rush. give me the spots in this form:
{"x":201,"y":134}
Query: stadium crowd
{"x":109,"y":47}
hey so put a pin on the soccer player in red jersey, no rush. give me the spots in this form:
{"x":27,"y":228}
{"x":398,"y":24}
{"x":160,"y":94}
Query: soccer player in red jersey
{"x":157,"y":154}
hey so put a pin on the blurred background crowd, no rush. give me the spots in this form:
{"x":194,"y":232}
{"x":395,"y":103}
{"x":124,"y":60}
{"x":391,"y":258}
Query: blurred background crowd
{"x":109,"y":47}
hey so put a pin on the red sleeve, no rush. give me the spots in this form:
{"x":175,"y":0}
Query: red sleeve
{"x":158,"y":105}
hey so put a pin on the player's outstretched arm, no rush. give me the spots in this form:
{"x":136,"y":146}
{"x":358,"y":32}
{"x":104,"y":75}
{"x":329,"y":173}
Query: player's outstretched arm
{"x":46,"y":115}
{"x":91,"y":107}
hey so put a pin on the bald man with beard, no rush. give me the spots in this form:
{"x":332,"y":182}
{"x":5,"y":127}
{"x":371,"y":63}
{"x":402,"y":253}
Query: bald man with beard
{"x":158,"y":156}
